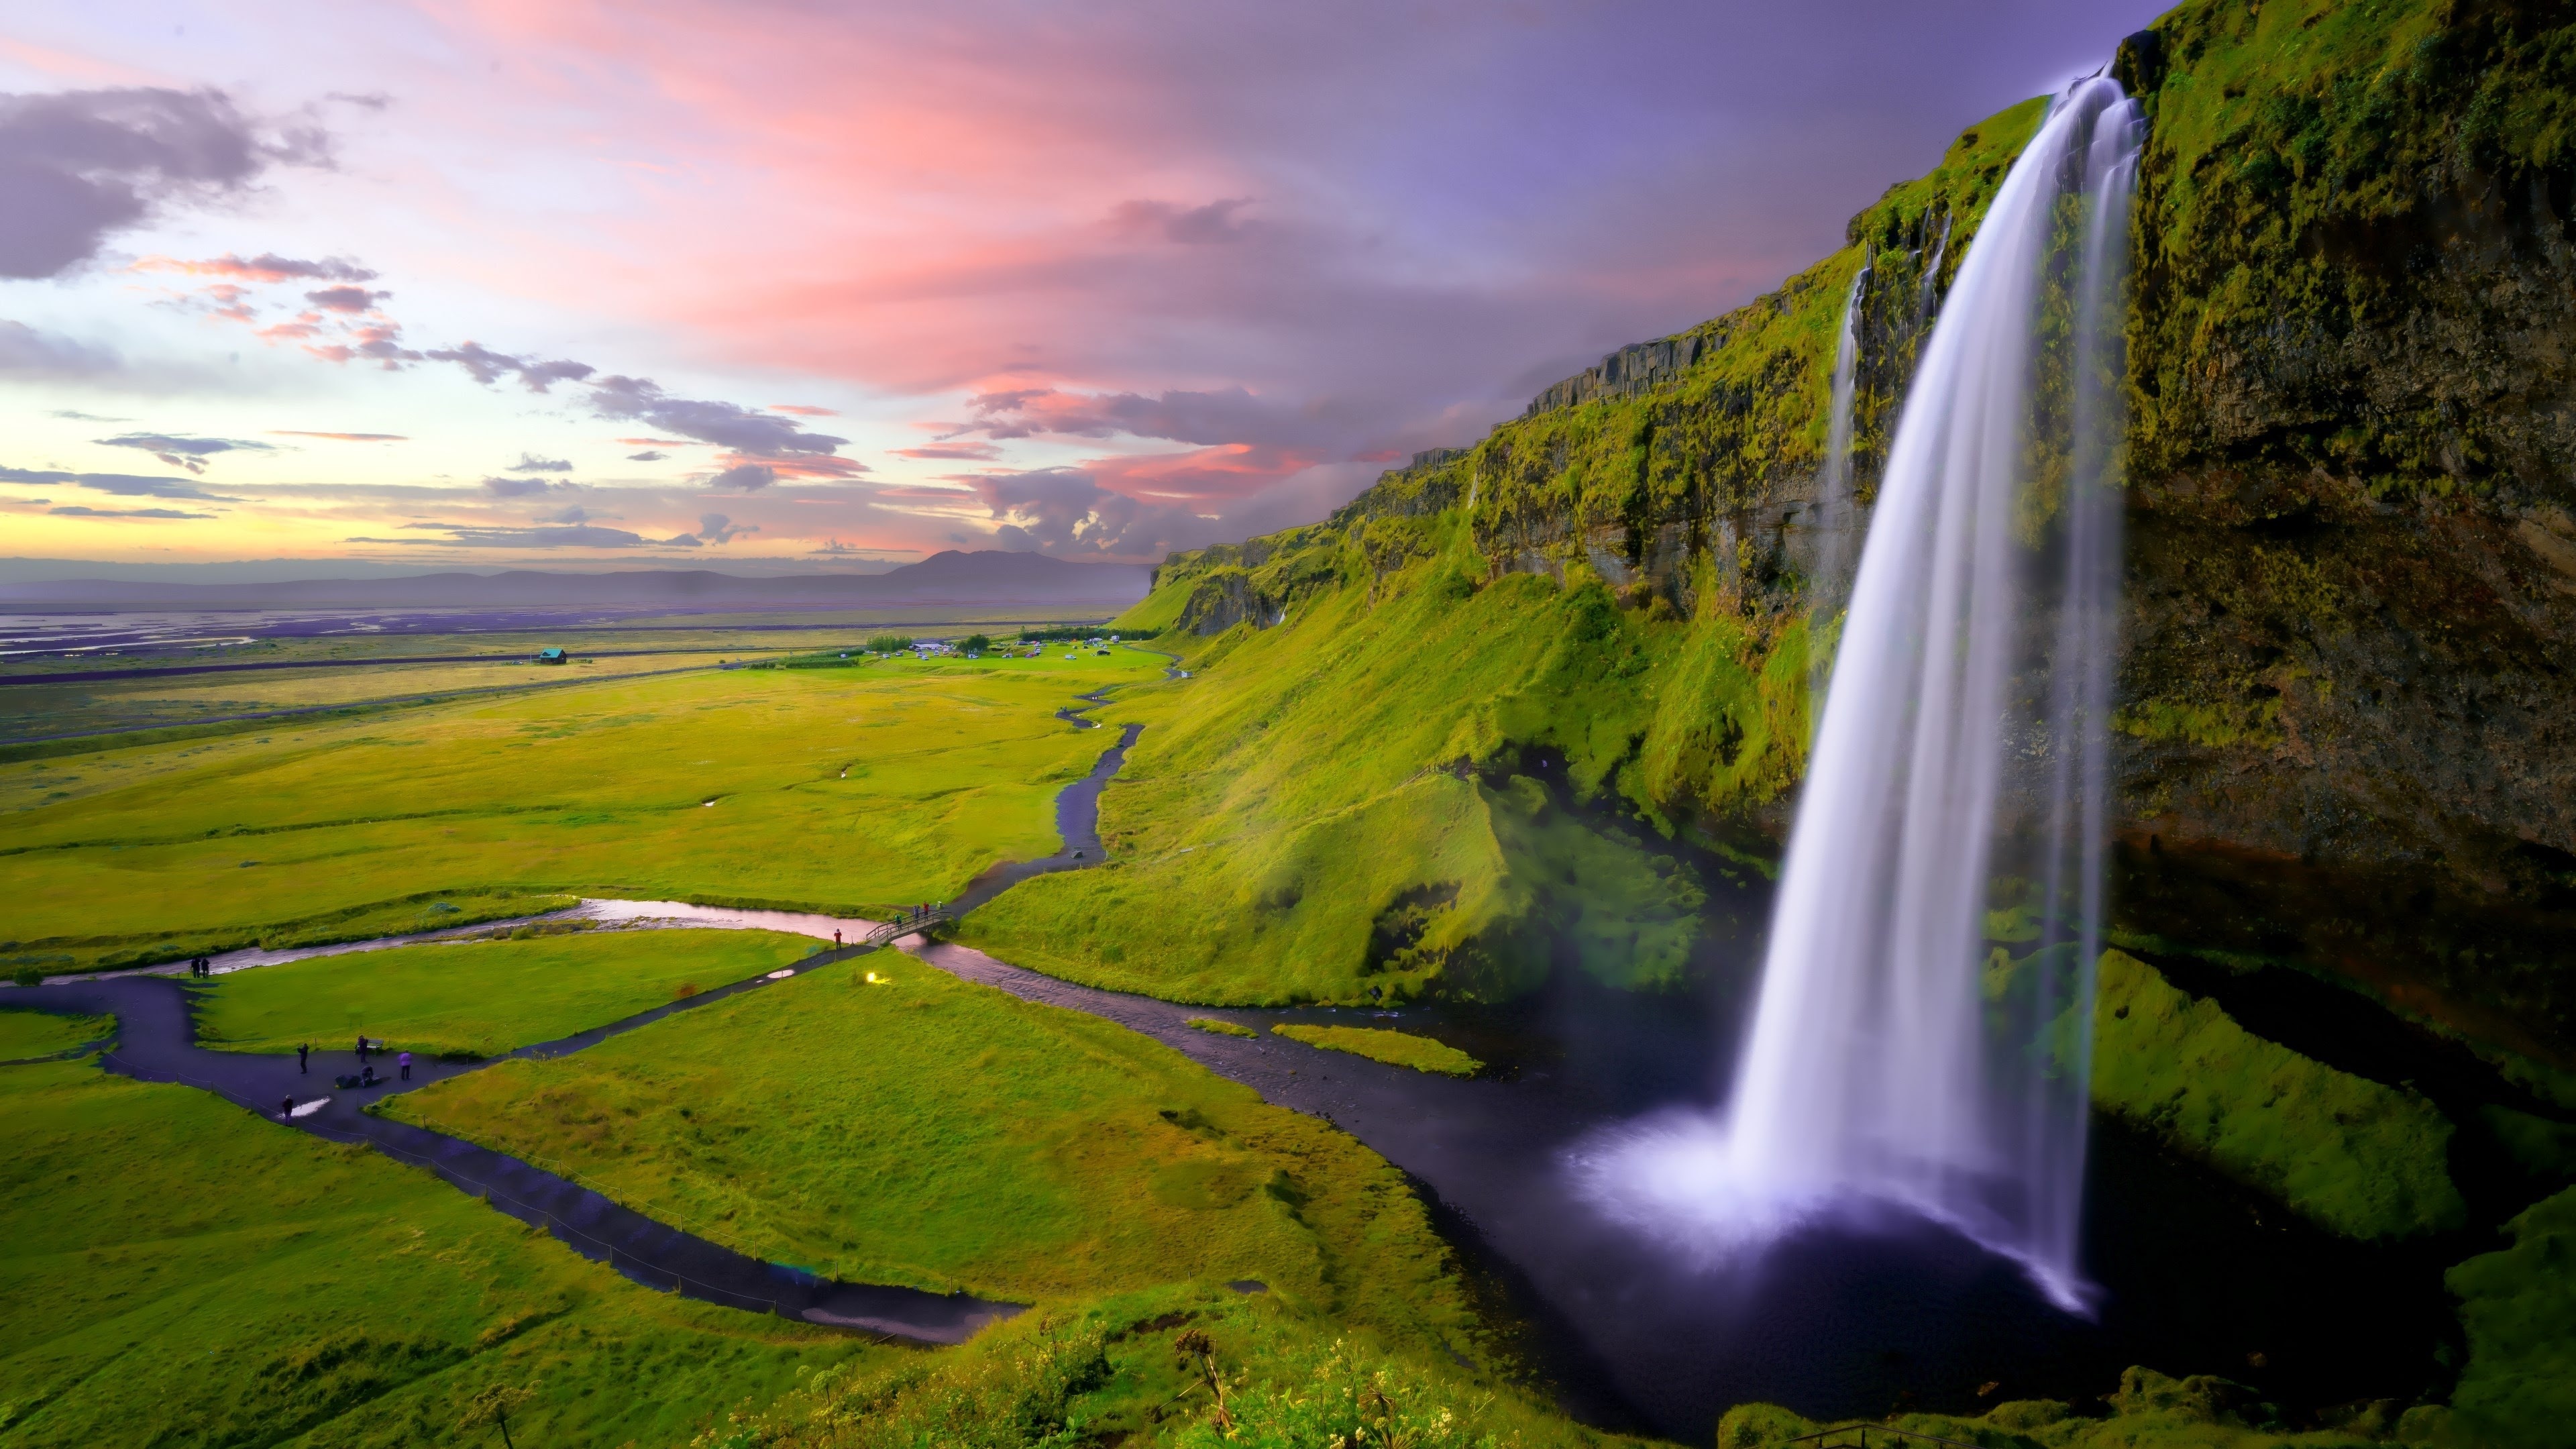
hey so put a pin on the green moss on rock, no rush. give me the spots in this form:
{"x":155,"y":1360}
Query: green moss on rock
{"x":2519,"y":1309}
{"x":2363,"y":1160}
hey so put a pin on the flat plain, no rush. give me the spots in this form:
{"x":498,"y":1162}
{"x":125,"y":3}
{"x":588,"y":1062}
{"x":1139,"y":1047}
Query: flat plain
{"x":853,"y":789}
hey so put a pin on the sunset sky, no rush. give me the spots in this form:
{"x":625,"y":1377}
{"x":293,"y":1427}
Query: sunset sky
{"x":549,"y":282}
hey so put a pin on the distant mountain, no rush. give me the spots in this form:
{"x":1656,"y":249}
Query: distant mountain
{"x":984,"y":577}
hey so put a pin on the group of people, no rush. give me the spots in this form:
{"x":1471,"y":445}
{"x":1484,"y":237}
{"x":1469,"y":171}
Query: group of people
{"x":201,"y":965}
{"x":365,"y":1076}
{"x":402,"y":1059}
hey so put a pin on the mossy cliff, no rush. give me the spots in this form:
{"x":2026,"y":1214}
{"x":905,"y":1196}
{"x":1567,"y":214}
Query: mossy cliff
{"x":2352,"y":461}
{"x":2352,"y":564}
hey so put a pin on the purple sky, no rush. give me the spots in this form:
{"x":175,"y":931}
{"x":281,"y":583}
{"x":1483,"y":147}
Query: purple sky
{"x":869,"y":281}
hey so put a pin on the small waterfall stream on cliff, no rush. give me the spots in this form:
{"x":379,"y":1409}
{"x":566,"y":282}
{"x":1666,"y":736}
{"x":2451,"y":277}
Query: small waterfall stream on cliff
{"x":1834,"y":512}
{"x":1932,"y":274}
{"x":1921,"y":1041}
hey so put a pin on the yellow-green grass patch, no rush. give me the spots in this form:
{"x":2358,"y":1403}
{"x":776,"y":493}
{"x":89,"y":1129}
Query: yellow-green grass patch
{"x":25,"y":1034}
{"x":2364,"y":1160}
{"x":1297,"y":822}
{"x":847,"y":791}
{"x":174,"y":1270}
{"x":480,"y":998}
{"x":1222,"y":1027}
{"x":945,"y":1135}
{"x":1395,"y":1048}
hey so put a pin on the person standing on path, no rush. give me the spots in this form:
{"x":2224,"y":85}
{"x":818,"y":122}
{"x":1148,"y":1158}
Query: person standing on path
{"x":286,"y":1110}
{"x":405,"y":1060}
{"x":303,"y":1058}
{"x":362,"y":1046}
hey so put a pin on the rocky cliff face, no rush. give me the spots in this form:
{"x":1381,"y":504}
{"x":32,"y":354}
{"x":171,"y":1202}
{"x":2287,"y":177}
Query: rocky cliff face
{"x":2348,"y":712}
{"x":2353,"y":455}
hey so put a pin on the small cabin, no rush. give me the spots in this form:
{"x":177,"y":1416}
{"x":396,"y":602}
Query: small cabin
{"x":552,"y":656}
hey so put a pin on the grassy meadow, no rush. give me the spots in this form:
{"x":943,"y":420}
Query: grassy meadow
{"x":1370,"y":796}
{"x":849,"y":789}
{"x":480,"y":998}
{"x":176,"y":1271}
{"x":931,"y":1132}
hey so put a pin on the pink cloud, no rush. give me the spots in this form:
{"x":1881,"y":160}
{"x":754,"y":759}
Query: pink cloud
{"x":266,"y":267}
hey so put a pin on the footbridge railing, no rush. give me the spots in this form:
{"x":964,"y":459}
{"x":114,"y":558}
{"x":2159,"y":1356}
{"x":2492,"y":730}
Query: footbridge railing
{"x":908,"y":924}
{"x":1872,"y":1436}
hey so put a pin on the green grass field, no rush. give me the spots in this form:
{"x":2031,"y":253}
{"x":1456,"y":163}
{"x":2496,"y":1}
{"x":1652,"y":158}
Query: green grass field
{"x":176,"y":1271}
{"x":936,"y":1133}
{"x":479,"y":997}
{"x":847,"y":789}
{"x":25,"y":1034}
{"x":1395,"y":1048}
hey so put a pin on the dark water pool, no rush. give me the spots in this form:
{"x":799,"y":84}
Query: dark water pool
{"x":1866,"y":1318}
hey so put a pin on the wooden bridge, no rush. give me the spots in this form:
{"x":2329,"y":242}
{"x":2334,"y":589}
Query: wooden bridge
{"x":1872,"y":1436}
{"x":908,"y":924}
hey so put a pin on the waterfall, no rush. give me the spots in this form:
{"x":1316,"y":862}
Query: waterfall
{"x":1834,"y":513}
{"x":1922,"y":1034}
{"x":1932,"y":274}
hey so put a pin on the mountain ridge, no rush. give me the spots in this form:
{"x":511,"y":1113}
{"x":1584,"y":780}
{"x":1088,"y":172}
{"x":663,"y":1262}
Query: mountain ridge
{"x":953,"y":576}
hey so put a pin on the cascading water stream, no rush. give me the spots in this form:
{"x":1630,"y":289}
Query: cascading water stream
{"x":1932,"y":275}
{"x":1922,"y":1036}
{"x":1834,"y":511}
